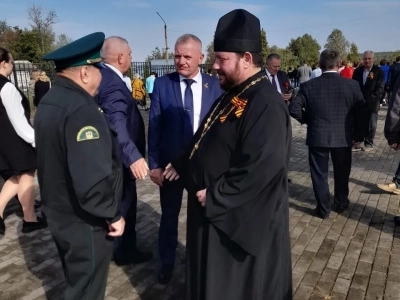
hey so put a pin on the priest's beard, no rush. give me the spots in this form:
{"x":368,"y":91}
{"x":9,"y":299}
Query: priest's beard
{"x":229,"y":81}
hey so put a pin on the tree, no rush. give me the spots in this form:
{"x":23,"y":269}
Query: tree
{"x":353,"y":55}
{"x":61,"y":40}
{"x":264,"y":44}
{"x":8,"y":35}
{"x":287,"y":57}
{"x":42,"y":21}
{"x":305,"y":48}
{"x":337,"y":41}
{"x":210,"y":54}
{"x":157,"y":53}
{"x":26,"y":46}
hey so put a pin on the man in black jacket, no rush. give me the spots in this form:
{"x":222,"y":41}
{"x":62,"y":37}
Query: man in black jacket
{"x":332,"y":107}
{"x":394,"y":73}
{"x":371,"y":81}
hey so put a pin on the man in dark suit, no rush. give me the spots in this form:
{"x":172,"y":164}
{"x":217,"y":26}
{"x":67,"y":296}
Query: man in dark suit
{"x":125,"y":120}
{"x":179,"y":103}
{"x":332,"y":107}
{"x":371,"y":81}
{"x":278,"y":78}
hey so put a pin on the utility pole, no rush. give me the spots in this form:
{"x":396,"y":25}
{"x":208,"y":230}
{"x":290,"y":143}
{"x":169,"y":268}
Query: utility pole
{"x":166,"y":40}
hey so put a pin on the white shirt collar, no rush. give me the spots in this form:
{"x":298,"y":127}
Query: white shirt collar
{"x":195,"y":78}
{"x":116,"y":71}
{"x":330,"y":72}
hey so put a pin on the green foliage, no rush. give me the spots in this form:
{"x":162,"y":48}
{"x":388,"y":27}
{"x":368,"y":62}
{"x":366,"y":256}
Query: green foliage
{"x":353,"y":55}
{"x":157,"y":53}
{"x":287,"y":57}
{"x":337,"y":41}
{"x":305,"y":48}
{"x":264,"y":44}
{"x":210,"y":54}
{"x":26,"y":46}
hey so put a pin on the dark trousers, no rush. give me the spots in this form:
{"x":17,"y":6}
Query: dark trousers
{"x":396,"y":178}
{"x":371,"y":120}
{"x":319,"y":161}
{"x":125,"y":245}
{"x":171,"y":194}
{"x":85,"y":252}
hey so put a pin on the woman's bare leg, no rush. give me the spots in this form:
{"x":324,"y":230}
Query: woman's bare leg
{"x":26,"y":196}
{"x":9,"y":191}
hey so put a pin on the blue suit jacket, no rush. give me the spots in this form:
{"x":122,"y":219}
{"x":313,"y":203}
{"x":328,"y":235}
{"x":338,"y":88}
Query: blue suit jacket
{"x":166,"y":131}
{"x":123,"y":116}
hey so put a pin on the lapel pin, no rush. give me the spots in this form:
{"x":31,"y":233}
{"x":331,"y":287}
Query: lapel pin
{"x":206,"y":85}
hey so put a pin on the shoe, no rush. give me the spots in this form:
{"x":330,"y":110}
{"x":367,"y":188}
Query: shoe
{"x":357,"y":147}
{"x":165,"y":274}
{"x":318,"y":213}
{"x":2,"y":226}
{"x":136,"y":257}
{"x":389,"y":187}
{"x":368,"y":148}
{"x":32,"y":226}
{"x":340,"y":208}
{"x":397,"y":221}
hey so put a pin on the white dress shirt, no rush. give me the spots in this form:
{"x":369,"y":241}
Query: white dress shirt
{"x":197,"y":90}
{"x":276,"y":80}
{"x":124,"y":78}
{"x":11,"y":99}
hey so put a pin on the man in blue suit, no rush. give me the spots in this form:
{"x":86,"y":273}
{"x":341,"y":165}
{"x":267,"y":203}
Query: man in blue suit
{"x":180,"y":101}
{"x":124,"y":118}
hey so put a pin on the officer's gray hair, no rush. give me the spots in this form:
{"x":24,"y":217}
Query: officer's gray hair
{"x":112,"y":43}
{"x":186,"y":38}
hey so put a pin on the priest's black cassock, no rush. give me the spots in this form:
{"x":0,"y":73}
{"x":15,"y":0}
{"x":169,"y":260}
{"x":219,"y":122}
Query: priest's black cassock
{"x":238,"y":246}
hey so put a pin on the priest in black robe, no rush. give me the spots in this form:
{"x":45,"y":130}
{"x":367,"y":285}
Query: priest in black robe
{"x":238,"y":245}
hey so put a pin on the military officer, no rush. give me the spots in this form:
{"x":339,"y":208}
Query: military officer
{"x":79,"y":169}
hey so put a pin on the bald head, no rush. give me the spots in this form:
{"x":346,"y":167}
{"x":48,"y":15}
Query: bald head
{"x":116,"y":52}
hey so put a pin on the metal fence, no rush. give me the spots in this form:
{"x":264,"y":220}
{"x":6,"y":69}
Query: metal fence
{"x":22,"y":74}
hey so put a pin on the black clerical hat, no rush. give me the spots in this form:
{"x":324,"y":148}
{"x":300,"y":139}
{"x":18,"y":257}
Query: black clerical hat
{"x":238,"y":31}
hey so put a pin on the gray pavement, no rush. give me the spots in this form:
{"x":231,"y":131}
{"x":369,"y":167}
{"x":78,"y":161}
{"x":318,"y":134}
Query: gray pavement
{"x":352,"y":256}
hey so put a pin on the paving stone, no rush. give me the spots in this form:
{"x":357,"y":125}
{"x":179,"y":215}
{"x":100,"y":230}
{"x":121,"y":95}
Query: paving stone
{"x":353,"y":255}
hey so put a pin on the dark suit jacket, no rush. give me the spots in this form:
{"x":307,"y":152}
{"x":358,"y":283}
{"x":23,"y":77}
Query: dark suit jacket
{"x":394,"y":73}
{"x":284,"y":82}
{"x":123,"y":116}
{"x":166,"y":131}
{"x":392,"y":124}
{"x":333,"y":107}
{"x":373,"y":88}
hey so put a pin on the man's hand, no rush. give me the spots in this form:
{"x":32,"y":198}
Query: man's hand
{"x":287,"y":97}
{"x":201,"y":196}
{"x":157,"y":176}
{"x":139,"y":169}
{"x":117,"y":228}
{"x":170,"y":173}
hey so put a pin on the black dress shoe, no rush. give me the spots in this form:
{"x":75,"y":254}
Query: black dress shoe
{"x":396,"y":221}
{"x":165,"y":274}
{"x":32,"y":226}
{"x":136,"y":257}
{"x":340,"y":208}
{"x":2,"y":226}
{"x":318,"y":213}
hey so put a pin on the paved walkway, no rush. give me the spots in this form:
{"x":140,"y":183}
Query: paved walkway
{"x":352,"y":256}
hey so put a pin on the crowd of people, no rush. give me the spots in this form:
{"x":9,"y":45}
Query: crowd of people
{"x":226,"y":139}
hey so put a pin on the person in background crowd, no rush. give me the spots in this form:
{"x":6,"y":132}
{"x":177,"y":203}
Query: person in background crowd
{"x":150,"y":83}
{"x":42,"y":86}
{"x":342,"y":66}
{"x":385,"y":69}
{"x":333,"y":109}
{"x":17,"y":149}
{"x":209,"y":72}
{"x":394,"y":73}
{"x":79,"y":169}
{"x":370,"y":78}
{"x":138,"y":91}
{"x":304,"y":73}
{"x":277,"y":77}
{"x":356,"y":64}
{"x":348,"y":71}
{"x":34,"y":78}
{"x":296,"y":77}
{"x":316,"y":72}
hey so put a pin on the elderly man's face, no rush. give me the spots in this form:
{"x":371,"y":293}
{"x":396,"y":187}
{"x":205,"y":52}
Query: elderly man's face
{"x":188,"y":57}
{"x":368,"y":60}
{"x":273,"y":66}
{"x":227,"y":66}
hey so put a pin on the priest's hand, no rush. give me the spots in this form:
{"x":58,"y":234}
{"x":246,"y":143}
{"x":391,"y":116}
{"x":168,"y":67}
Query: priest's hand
{"x":170,"y":173}
{"x":201,"y":196}
{"x":287,"y":97}
{"x":139,"y":168}
{"x":157,"y":176}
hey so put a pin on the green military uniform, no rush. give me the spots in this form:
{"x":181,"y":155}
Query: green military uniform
{"x":80,"y":174}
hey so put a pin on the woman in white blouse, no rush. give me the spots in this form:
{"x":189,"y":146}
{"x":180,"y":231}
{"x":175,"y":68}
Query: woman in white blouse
{"x":17,"y":148}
